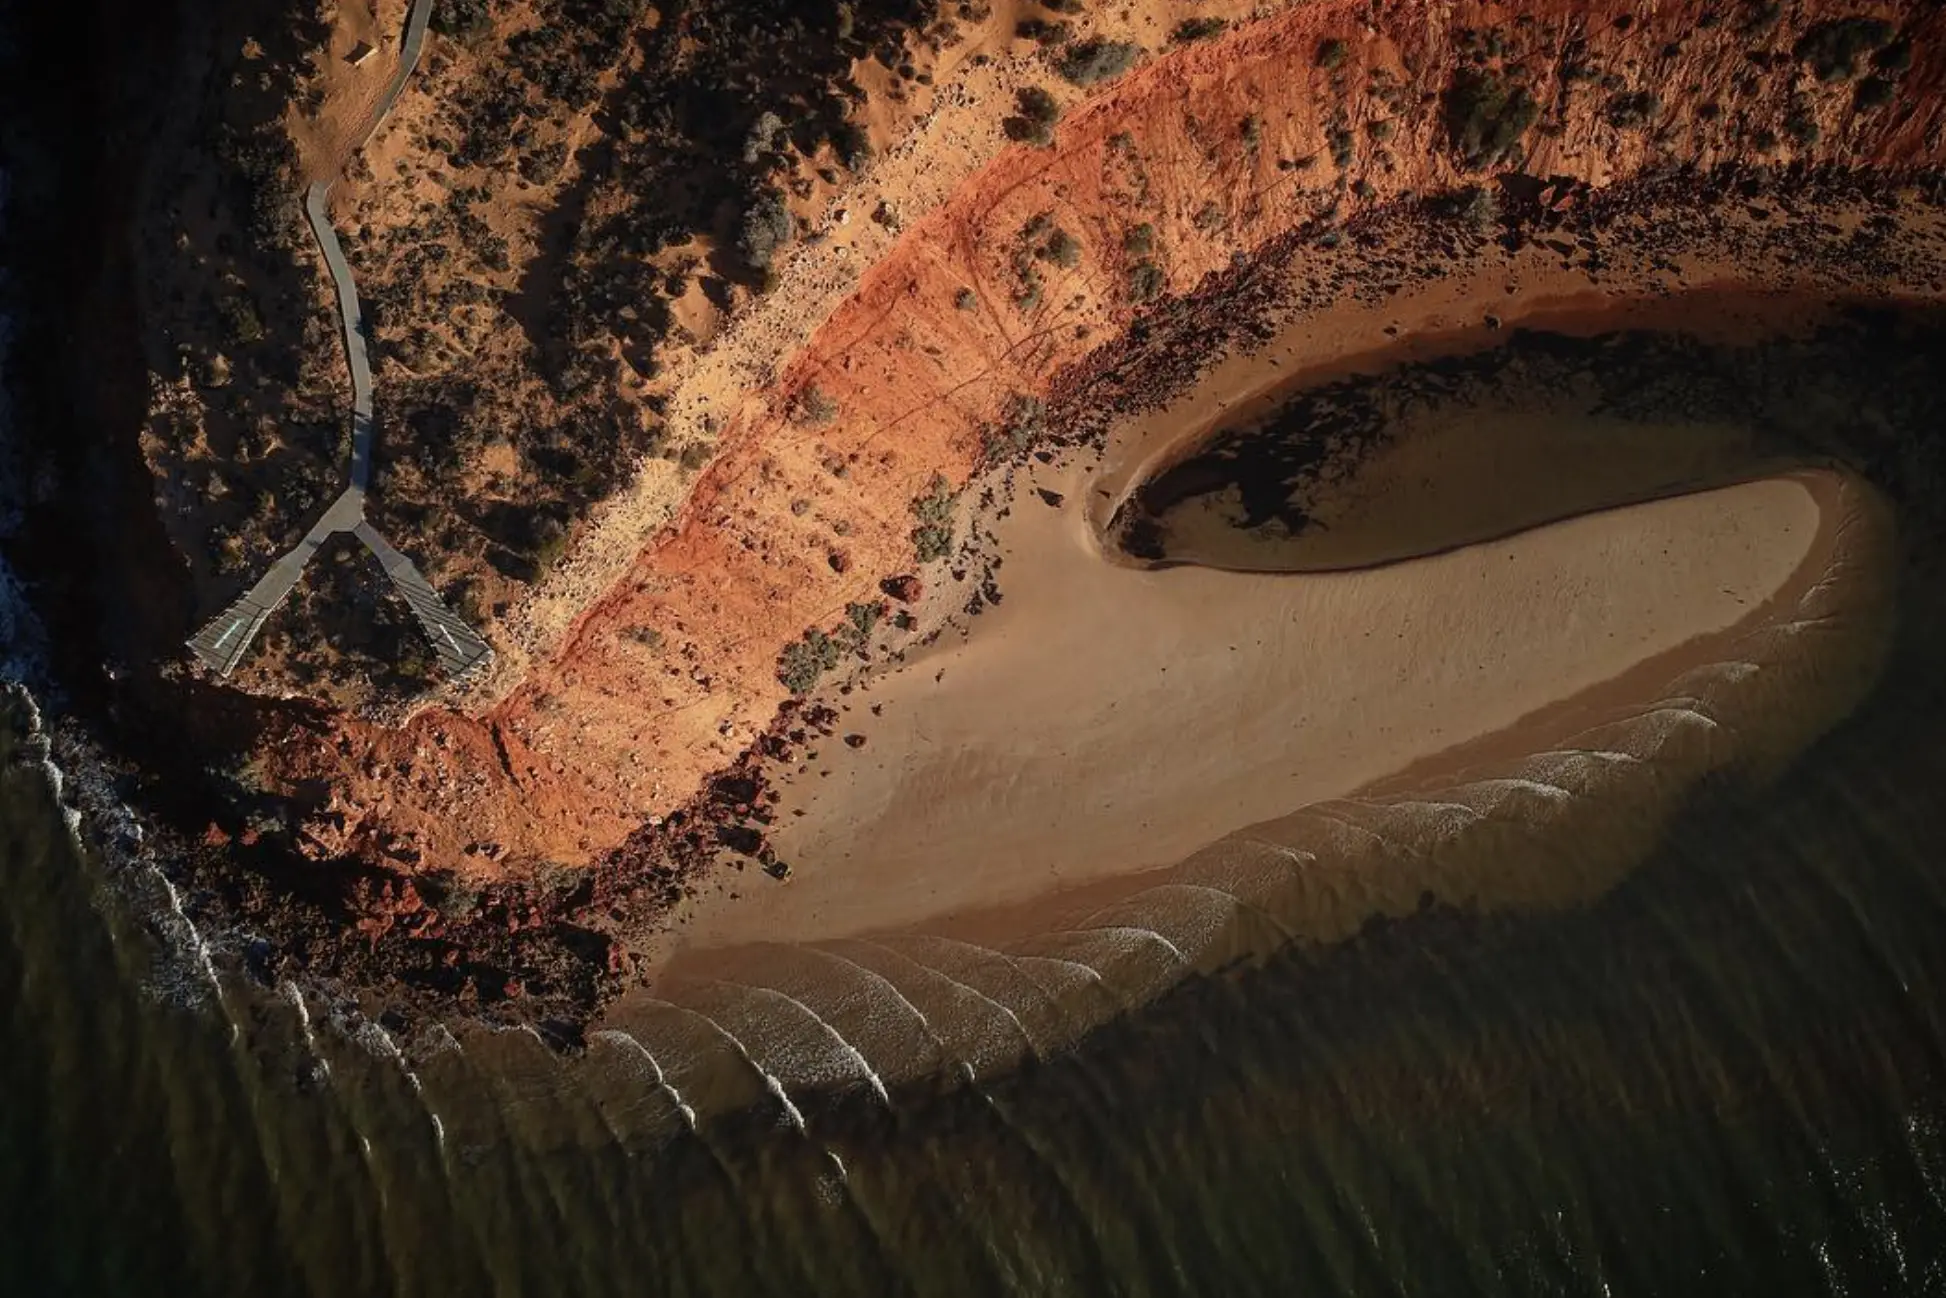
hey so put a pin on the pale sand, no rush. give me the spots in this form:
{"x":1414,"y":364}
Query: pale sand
{"x":1104,"y":720}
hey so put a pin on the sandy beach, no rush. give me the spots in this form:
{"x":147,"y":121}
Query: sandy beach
{"x":1104,"y":720}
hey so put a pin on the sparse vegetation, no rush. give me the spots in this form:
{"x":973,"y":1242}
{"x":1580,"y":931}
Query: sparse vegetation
{"x":1061,"y":248}
{"x":932,"y":536}
{"x":1332,"y":54}
{"x":1145,"y":281}
{"x":1873,"y":92}
{"x":1486,"y":117}
{"x":767,"y":227}
{"x":1197,"y":29}
{"x":813,"y":407}
{"x":1801,"y":125}
{"x":1033,"y":123}
{"x":1632,"y":109}
{"x":965,"y":299}
{"x":1089,"y":62}
{"x":463,"y":20}
{"x":805,"y":660}
{"x":1832,"y":49}
{"x":1020,"y":426}
{"x":1139,"y":240}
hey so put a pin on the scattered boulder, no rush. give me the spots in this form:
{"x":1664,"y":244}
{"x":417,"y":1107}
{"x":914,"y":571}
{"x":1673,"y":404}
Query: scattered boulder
{"x":905,"y":588}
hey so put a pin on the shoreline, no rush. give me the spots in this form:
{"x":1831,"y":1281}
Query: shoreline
{"x":1297,"y":876}
{"x":865,"y":894}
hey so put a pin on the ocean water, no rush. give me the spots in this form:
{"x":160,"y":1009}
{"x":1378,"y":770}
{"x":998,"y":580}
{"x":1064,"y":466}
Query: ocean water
{"x":1724,"y":1077}
{"x":1724,"y":1074}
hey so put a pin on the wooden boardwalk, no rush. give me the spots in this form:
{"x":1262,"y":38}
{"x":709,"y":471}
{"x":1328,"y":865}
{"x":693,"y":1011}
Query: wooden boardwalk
{"x":225,"y":640}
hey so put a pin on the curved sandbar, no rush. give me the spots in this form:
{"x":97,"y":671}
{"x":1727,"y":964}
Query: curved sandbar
{"x":1045,"y":830}
{"x":1104,"y":720}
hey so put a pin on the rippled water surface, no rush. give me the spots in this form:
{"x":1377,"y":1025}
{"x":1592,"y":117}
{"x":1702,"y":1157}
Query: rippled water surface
{"x":1723,"y":1078}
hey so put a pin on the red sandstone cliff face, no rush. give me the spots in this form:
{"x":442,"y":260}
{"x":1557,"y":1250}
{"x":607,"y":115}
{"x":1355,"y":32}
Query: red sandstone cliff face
{"x":1162,"y":179}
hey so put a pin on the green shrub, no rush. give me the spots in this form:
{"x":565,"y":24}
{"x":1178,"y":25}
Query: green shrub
{"x":1139,"y":240}
{"x":1332,"y":54}
{"x":1801,"y":126}
{"x":1034,"y":122}
{"x":1632,"y":110}
{"x":1485,"y":118}
{"x":1061,"y":248}
{"x":813,"y":407}
{"x":860,"y":620}
{"x":932,"y":538}
{"x":767,"y":227}
{"x":1343,"y":146}
{"x":1089,"y":62}
{"x":1020,"y":426}
{"x":1894,"y":58}
{"x":806,"y":659}
{"x":1197,"y":29}
{"x":463,"y":20}
{"x":1145,"y":281}
{"x":1833,"y":48}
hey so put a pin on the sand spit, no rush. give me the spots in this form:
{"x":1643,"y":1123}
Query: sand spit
{"x":1126,"y":776}
{"x":1104,"y":720}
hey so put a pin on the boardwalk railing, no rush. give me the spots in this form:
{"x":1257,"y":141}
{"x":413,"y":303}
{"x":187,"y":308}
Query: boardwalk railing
{"x":226,"y":639}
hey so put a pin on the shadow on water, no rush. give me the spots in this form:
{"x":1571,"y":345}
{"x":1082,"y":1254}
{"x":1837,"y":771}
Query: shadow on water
{"x":1724,"y":1074}
{"x":1406,"y":460}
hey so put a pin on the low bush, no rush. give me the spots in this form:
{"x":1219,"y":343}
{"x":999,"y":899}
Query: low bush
{"x":814,"y":407}
{"x":804,"y":661}
{"x":1089,"y":62}
{"x":1834,"y":48}
{"x":932,"y":537}
{"x":1485,"y":118}
{"x":767,"y":227}
{"x":1197,"y":29}
{"x":463,"y":20}
{"x":1034,"y":122}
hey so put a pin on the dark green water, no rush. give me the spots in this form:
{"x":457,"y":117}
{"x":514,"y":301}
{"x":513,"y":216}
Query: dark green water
{"x":1726,"y":1076}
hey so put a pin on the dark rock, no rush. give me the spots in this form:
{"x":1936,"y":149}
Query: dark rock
{"x":905,"y":588}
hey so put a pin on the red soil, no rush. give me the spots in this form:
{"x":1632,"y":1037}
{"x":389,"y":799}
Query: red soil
{"x":609,"y":730}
